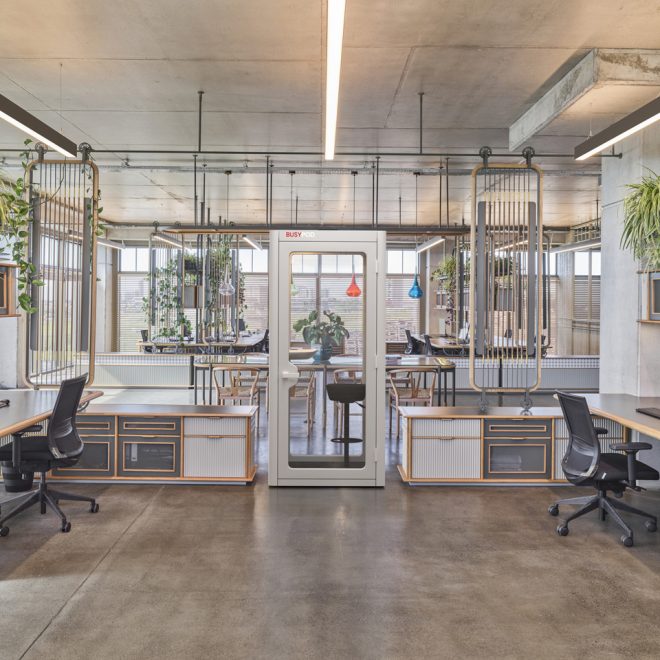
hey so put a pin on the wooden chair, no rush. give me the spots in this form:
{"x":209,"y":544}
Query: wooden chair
{"x":305,"y":389}
{"x":240,"y":385}
{"x":409,"y":387}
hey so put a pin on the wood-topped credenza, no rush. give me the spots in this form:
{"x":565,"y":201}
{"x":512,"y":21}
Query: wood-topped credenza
{"x":164,"y":443}
{"x":501,"y":446}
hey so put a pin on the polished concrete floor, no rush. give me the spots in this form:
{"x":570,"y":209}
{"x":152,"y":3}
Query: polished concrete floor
{"x":236,"y":572}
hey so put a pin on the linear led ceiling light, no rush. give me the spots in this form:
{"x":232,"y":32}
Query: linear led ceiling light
{"x":635,"y":121}
{"x":254,"y":244}
{"x":336,"y":11}
{"x":34,"y":127}
{"x":580,"y":246}
{"x":431,"y":243}
{"x":169,"y":240}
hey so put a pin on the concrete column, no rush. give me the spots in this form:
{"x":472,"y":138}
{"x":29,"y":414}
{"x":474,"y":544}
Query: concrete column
{"x":564,"y":309}
{"x":8,"y":352}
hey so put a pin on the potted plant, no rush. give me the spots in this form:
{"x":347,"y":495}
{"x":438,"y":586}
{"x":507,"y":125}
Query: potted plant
{"x":445,"y":275}
{"x":322,"y":333}
{"x":641,"y":222}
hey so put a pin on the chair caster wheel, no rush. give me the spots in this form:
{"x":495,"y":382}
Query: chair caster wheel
{"x":553,"y":510}
{"x":627,"y":541}
{"x":4,"y":531}
{"x":651,"y":526}
{"x":66,"y":527}
{"x":94,"y":508}
{"x":562,"y":530}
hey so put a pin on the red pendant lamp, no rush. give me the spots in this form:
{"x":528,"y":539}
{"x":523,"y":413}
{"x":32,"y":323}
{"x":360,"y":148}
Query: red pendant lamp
{"x":353,"y":290}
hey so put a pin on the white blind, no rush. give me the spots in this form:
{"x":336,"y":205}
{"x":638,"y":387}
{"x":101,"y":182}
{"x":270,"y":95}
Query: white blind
{"x":401,"y":311}
{"x":256,"y":299}
{"x":132,"y":288}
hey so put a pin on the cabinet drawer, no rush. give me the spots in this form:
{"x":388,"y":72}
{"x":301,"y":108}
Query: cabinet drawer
{"x":149,"y":426}
{"x":96,"y":424}
{"x":520,"y":459}
{"x":144,"y":456}
{"x":435,"y":458}
{"x":97,"y":459}
{"x":207,"y":457}
{"x":215,"y":426}
{"x":517,"y":427}
{"x":446,"y":428}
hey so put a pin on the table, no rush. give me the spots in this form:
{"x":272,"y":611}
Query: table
{"x":621,"y":408}
{"x":241,"y":343}
{"x":438,"y":364}
{"x":28,"y":407}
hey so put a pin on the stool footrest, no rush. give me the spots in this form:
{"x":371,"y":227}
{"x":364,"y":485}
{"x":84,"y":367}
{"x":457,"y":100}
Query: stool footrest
{"x":346,"y":441}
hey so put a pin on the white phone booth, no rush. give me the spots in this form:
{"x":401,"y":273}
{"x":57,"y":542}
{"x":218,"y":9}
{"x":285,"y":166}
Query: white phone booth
{"x":343,"y":273}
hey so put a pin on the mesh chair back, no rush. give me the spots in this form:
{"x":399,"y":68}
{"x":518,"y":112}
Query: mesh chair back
{"x":583,"y":453}
{"x":413,"y":345}
{"x":63,"y":438}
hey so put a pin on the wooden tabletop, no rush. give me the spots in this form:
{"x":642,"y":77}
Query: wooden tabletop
{"x":621,"y":408}
{"x":453,"y":412}
{"x":158,"y":410}
{"x":27,"y":407}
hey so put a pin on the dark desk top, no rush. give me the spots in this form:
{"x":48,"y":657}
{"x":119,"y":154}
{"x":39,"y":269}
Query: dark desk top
{"x":159,"y":410}
{"x":621,"y":408}
{"x":454,"y":412}
{"x":29,"y":407}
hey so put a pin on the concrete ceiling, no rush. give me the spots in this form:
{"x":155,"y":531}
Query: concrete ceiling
{"x":130,"y":71}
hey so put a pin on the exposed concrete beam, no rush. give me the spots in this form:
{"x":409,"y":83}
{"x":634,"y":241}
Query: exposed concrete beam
{"x":597,"y":68}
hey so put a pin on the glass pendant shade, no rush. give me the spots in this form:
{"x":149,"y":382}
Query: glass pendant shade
{"x":415,"y":290}
{"x":226,"y":289}
{"x":353,"y":290}
{"x":294,"y":288}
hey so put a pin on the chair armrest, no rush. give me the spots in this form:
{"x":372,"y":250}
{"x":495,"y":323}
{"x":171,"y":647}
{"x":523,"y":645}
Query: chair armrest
{"x":630,"y":447}
{"x":600,"y":430}
{"x":30,"y":429}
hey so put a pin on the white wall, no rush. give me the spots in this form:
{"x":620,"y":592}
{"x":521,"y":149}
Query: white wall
{"x":8,"y":352}
{"x":629,"y":351}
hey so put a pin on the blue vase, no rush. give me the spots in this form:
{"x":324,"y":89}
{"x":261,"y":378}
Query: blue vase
{"x":323,"y":354}
{"x":415,"y":289}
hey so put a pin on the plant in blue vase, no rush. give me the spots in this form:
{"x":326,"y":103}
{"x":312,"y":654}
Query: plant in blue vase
{"x":322,"y":333}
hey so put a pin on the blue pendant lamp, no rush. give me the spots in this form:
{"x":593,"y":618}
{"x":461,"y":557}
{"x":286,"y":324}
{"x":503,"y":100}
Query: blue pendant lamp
{"x":416,"y":291}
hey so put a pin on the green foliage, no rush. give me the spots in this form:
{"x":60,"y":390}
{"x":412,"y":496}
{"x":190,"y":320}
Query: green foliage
{"x":15,"y":220}
{"x":445,"y":274}
{"x":318,"y":331}
{"x":641,"y":224}
{"x":170,"y":320}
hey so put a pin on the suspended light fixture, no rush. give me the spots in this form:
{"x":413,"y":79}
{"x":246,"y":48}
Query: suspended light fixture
{"x":336,"y":11}
{"x":416,"y":291}
{"x":353,"y":290}
{"x":40,"y":131}
{"x":168,"y":240}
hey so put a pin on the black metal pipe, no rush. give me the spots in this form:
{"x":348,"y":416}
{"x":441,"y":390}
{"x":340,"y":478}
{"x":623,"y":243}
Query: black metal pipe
{"x":199,"y":121}
{"x":421,"y":121}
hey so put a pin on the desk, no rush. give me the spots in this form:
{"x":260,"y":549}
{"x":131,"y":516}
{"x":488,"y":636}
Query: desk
{"x":621,"y":408}
{"x":28,"y":407}
{"x":241,"y":343}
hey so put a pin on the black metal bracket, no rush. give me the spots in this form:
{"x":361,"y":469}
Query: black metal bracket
{"x":41,"y":150}
{"x":85,"y":150}
{"x":485,"y":153}
{"x":528,"y":153}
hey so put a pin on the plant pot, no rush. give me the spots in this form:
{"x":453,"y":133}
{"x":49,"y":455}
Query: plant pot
{"x":323,"y":354}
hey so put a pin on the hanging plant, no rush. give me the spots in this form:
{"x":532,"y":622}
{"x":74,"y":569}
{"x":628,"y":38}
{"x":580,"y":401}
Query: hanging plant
{"x":15,"y":220}
{"x":641,"y":223}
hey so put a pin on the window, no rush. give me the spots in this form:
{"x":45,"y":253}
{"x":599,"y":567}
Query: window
{"x":402,"y":312}
{"x":134,"y":260}
{"x":254,"y":265}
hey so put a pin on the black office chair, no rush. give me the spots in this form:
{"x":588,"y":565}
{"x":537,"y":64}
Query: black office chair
{"x":413,"y":345}
{"x":144,"y":334}
{"x":346,"y":393}
{"x":265,"y":347}
{"x":60,"y":447}
{"x":585,"y":465}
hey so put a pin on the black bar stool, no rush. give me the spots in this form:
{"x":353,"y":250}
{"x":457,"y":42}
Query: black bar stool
{"x":346,"y":393}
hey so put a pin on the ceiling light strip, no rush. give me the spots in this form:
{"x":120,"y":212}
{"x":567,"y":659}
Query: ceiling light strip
{"x":336,"y":11}
{"x":34,"y":127}
{"x":429,"y":244}
{"x":634,"y":122}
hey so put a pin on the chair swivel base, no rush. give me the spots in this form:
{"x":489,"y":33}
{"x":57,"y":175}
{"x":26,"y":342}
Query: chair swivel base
{"x":46,"y":497}
{"x":605,"y":505}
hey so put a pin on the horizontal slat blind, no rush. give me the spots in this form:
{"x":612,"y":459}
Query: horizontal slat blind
{"x":132,"y":288}
{"x":256,"y":298}
{"x":401,"y":311}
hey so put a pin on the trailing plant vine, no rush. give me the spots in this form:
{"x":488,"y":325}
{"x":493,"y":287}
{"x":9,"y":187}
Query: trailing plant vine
{"x":15,"y":220}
